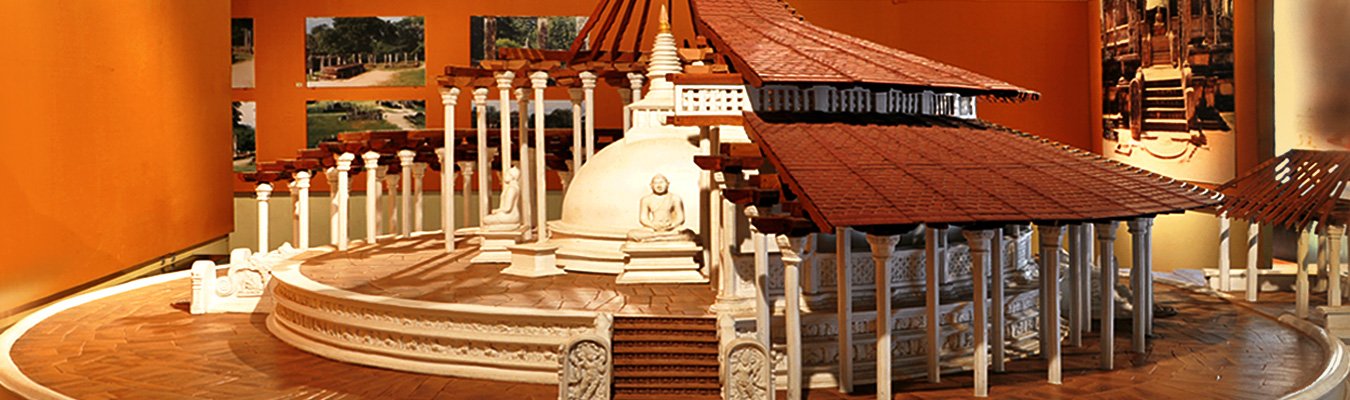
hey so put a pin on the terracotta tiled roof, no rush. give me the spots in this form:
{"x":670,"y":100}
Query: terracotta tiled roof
{"x":874,"y":170}
{"x":770,"y":44}
{"x":1292,"y":190}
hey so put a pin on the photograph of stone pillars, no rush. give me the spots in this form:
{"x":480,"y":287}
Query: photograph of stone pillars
{"x":1106,"y":239}
{"x":843,"y":252}
{"x":405,"y":158}
{"x":264,"y":194}
{"x":302,"y":209}
{"x":1142,"y":278}
{"x":449,"y":98}
{"x":1050,"y":236}
{"x":882,"y":248}
{"x":588,"y":87}
{"x":794,"y":250}
{"x":344,"y":167}
{"x":372,"y":195}
{"x":980,"y":262}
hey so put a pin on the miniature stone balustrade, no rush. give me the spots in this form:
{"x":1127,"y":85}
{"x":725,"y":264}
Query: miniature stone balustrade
{"x":834,"y":100}
{"x":302,"y":205}
{"x":243,"y":288}
{"x":711,"y":100}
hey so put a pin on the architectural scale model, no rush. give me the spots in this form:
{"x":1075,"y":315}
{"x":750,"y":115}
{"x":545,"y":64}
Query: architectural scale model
{"x":786,"y":208}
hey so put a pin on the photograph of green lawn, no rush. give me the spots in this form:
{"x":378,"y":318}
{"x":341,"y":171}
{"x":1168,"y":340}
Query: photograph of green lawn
{"x":241,"y":56}
{"x":365,"y":51}
{"x":326,"y":118}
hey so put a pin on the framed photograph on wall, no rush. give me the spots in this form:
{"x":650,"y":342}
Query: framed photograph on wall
{"x":365,"y":51}
{"x":245,"y":136}
{"x":1168,"y":89}
{"x":487,"y":34}
{"x":325,"y":119}
{"x":241,"y":54}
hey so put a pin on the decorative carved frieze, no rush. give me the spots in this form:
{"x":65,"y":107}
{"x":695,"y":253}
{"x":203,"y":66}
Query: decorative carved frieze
{"x":746,"y":371}
{"x":586,"y":370}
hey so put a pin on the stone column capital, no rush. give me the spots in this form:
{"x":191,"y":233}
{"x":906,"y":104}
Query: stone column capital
{"x":372,"y":159}
{"x":635,"y":79}
{"x":449,"y":96}
{"x":419,"y":170}
{"x":302,"y":179}
{"x":467,"y":167}
{"x":1050,"y":233}
{"x":344,"y":162}
{"x":480,"y":95}
{"x":795,"y":248}
{"x":504,"y":79}
{"x":539,"y":80}
{"x":1139,"y":225}
{"x":587,"y":79}
{"x":405,"y":157}
{"x":576,"y":95}
{"x":264,"y":191}
{"x":978,"y":240}
{"x":1106,"y":230}
{"x":882,"y":245}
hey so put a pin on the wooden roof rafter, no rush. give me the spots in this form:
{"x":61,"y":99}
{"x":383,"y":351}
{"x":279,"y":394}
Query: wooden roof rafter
{"x":1292,"y":190}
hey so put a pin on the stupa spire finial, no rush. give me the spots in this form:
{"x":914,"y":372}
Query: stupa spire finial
{"x":665,"y":19}
{"x":665,"y":57}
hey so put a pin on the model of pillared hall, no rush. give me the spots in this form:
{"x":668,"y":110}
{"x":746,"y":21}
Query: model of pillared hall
{"x":785,"y":211}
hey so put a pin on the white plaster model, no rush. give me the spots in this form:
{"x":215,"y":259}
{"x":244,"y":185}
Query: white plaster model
{"x":372,"y":195}
{"x":662,"y":250}
{"x":502,"y":227}
{"x":344,"y":167}
{"x":243,"y":287}
{"x":264,"y":193}
{"x":302,"y":209}
{"x":405,"y":158}
{"x":533,"y":260}
{"x":538,"y":81}
{"x":449,"y":98}
{"x":419,"y":171}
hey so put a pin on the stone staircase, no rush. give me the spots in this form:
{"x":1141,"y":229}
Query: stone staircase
{"x":1164,"y":104}
{"x":665,"y":358}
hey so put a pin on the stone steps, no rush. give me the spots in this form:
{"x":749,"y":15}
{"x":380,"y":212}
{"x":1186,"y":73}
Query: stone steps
{"x":665,"y":358}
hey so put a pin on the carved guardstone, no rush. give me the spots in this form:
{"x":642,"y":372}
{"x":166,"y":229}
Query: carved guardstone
{"x":533,"y":260}
{"x":585,"y":370}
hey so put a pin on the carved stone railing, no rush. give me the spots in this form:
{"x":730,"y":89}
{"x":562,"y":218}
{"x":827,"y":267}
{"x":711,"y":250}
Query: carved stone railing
{"x":586,"y":369}
{"x":733,"y":100}
{"x":746,"y":370}
{"x":243,"y":288}
{"x":464,"y":340}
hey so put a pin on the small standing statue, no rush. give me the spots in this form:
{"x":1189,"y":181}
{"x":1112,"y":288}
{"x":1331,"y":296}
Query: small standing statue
{"x":661,"y":214}
{"x":507,"y":215}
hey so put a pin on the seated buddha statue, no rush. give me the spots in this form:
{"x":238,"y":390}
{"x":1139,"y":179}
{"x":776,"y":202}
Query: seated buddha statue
{"x":661,"y":214}
{"x":507,"y":214}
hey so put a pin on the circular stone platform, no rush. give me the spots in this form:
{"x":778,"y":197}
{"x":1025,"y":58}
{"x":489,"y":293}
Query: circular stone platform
{"x":131,"y":342}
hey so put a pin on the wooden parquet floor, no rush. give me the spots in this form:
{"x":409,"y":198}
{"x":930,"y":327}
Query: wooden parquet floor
{"x":137,"y":345}
{"x":419,"y":269}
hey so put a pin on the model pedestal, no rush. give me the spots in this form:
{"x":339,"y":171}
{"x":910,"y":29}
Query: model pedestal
{"x":533,"y":260}
{"x":661,"y":262}
{"x":493,"y":249}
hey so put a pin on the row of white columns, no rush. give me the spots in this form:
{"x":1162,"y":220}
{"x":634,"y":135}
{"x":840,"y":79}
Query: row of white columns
{"x":986,"y":249}
{"x":1327,"y":261}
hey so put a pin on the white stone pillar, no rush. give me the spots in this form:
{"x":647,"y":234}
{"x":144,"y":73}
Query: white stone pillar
{"x":302,"y":208}
{"x":1253,"y":275}
{"x":577,"y":96}
{"x":344,"y":194}
{"x":933,"y":301}
{"x":635,"y":84}
{"x":588,"y":87}
{"x":293,"y":194}
{"x":1106,"y":238}
{"x":1334,"y":260}
{"x":980,"y":262}
{"x":405,"y":158}
{"x":372,"y":195}
{"x":626,"y":97}
{"x":1075,"y":289}
{"x":1225,"y":265}
{"x":1301,"y":281}
{"x":1086,"y":273}
{"x":466,"y":173}
{"x":331,"y":174}
{"x":1050,"y":237}
{"x":843,"y":252}
{"x":484,"y":167}
{"x":882,"y":248}
{"x":264,"y":193}
{"x":389,"y":218}
{"x":1139,"y":228}
{"x":794,"y":250}
{"x":504,"y":106}
{"x":998,"y":260}
{"x":419,"y":171}
{"x":449,"y":99}
{"x":763,"y":303}
{"x":539,"y":81}
{"x":527,"y":172}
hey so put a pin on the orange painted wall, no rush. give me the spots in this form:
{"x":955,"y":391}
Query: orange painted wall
{"x":1037,"y":44}
{"x":114,"y":121}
